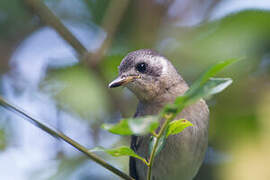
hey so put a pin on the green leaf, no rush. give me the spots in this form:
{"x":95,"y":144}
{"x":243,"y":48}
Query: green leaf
{"x":119,"y":151}
{"x":138,"y":126}
{"x":143,"y":125}
{"x":204,"y":87}
{"x":211,"y":87}
{"x":160,"y":145}
{"x":177,"y":126}
{"x":212,"y":71}
{"x":215,"y":85}
{"x":121,"y":128}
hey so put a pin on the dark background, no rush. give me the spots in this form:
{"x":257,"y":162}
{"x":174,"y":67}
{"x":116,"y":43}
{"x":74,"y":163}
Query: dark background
{"x":64,"y":83}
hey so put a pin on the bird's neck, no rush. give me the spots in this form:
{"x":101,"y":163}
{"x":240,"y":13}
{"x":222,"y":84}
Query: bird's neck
{"x":166,"y":96}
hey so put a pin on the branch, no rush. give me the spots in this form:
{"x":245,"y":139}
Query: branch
{"x":110,"y":22}
{"x":63,"y":137}
{"x":89,"y":59}
{"x":49,"y":18}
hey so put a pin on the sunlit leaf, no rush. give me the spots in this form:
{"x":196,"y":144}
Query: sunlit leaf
{"x":204,"y":87}
{"x":177,"y":126}
{"x":121,"y":128}
{"x":160,"y":145}
{"x":143,"y":125}
{"x":216,"y":85}
{"x":119,"y":151}
{"x":138,"y":126}
{"x":211,"y":87}
{"x":212,"y":71}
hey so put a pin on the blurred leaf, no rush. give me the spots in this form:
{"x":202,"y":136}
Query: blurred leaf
{"x":138,"y":126}
{"x":160,"y":145}
{"x":76,"y":89}
{"x":121,"y":128}
{"x":97,"y":9}
{"x":242,"y":33}
{"x":13,"y":16}
{"x":177,"y":126}
{"x":143,"y":125}
{"x":65,"y":168}
{"x":120,"y":151}
{"x":109,"y":65}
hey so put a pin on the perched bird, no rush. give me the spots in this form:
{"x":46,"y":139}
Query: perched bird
{"x":155,"y":82}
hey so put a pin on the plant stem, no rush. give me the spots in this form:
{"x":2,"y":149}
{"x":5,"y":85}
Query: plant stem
{"x":169,"y":118}
{"x":65,"y":138}
{"x":159,"y":135}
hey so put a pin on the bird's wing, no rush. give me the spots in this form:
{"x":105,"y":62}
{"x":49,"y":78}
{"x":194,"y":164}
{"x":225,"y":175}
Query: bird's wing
{"x":132,"y":160}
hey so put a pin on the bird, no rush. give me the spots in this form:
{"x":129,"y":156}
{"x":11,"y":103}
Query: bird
{"x":156,"y":82}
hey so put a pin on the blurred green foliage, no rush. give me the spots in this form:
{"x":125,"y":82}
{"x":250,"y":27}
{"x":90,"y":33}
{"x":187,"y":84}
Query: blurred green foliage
{"x":146,"y":24}
{"x":78,"y":91}
{"x":97,"y":9}
{"x":14,"y":17}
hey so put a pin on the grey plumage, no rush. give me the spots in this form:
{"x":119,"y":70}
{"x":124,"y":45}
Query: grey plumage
{"x":155,"y":82}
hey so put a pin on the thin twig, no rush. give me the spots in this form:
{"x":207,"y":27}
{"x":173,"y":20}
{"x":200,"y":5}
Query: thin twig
{"x":152,"y":155}
{"x":168,"y":119}
{"x":65,"y":138}
{"x":49,"y":18}
{"x":110,"y":22}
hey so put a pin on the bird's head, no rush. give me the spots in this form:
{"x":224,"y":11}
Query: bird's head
{"x":147,"y":74}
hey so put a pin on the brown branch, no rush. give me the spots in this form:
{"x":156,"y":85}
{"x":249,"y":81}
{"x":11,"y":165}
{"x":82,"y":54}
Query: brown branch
{"x":110,"y":23}
{"x":49,"y":18}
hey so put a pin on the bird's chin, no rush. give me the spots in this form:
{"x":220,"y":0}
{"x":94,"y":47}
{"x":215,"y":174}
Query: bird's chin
{"x":141,"y":91}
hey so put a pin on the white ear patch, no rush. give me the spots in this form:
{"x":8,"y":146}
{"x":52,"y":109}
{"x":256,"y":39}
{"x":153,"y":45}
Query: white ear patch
{"x":164,"y":64}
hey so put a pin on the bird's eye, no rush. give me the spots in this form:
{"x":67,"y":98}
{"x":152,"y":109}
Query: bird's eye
{"x":141,"y":67}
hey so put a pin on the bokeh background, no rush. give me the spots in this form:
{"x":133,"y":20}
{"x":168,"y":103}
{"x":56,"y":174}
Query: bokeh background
{"x":61,"y":78}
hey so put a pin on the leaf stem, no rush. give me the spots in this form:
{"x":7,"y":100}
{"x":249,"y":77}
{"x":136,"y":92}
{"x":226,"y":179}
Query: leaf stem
{"x":154,"y":134}
{"x":168,"y":117}
{"x":65,"y":138}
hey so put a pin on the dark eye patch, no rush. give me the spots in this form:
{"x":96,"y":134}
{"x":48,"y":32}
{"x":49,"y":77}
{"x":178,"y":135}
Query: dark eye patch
{"x":144,"y":68}
{"x":141,"y":67}
{"x":154,"y":71}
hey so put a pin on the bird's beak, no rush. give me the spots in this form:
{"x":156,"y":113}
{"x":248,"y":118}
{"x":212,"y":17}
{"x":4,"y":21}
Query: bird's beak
{"x":122,"y":80}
